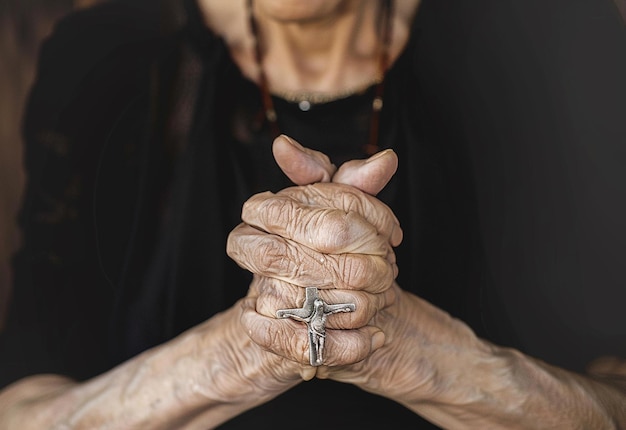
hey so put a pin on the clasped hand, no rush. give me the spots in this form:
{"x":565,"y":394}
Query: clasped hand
{"x":328,"y":235}
{"x":330,"y":232}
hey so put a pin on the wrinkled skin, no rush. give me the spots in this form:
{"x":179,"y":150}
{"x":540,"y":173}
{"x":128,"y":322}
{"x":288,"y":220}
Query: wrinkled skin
{"x":330,"y":232}
{"x":349,"y":237}
{"x":337,"y":237}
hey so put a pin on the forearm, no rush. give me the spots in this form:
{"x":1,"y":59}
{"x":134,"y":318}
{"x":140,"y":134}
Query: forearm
{"x":472,"y":383}
{"x":509,"y":390}
{"x":190,"y":382}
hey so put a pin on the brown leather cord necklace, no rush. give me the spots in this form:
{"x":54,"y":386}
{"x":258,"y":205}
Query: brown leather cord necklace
{"x":304,"y":102}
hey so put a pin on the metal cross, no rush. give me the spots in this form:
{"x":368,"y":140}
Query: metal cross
{"x":314,"y":312}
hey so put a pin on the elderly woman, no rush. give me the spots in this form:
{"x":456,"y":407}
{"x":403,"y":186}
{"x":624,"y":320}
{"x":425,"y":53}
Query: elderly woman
{"x":469,"y":236}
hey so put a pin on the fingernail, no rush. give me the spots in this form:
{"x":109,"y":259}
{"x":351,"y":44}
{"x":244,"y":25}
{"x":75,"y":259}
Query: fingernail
{"x":308,"y":373}
{"x":378,"y":340}
{"x":292,"y":142}
{"x":378,"y":155}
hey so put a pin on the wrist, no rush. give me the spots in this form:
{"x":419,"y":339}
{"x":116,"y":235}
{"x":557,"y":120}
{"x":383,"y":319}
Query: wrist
{"x":232,"y":374}
{"x":200,"y":379}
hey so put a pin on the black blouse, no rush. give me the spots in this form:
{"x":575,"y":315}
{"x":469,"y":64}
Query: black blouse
{"x":141,"y":147}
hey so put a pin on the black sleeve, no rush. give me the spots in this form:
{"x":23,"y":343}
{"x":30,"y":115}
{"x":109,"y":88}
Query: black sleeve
{"x":92,"y":68}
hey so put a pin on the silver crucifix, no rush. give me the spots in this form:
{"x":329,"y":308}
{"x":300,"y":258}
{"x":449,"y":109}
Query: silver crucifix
{"x":314,"y":312}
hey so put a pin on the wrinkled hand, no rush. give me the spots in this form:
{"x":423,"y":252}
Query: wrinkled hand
{"x":328,"y":235}
{"x":316,"y":239}
{"x":339,"y":238}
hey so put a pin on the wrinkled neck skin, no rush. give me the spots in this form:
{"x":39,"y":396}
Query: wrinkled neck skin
{"x":323,"y":46}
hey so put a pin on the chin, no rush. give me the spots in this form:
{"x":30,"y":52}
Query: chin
{"x":301,"y":10}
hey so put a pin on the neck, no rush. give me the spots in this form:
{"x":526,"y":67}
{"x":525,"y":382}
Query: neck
{"x":326,"y":53}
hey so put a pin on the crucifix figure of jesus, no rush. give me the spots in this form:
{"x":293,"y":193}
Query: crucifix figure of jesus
{"x":314,"y":312}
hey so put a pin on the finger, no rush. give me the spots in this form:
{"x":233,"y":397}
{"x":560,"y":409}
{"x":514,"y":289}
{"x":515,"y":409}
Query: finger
{"x":273,"y":294}
{"x":607,"y":365}
{"x":371,"y":175}
{"x":302,"y":165}
{"x":325,"y":230}
{"x":277,"y":257}
{"x":350,"y":199}
{"x":289,"y":339}
{"x":333,"y":216}
{"x":306,"y":166}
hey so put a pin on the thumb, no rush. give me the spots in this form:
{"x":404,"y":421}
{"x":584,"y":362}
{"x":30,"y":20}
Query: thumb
{"x":302,"y":165}
{"x":370,"y":175}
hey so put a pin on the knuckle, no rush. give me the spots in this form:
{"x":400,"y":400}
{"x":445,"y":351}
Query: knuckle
{"x":256,"y":326}
{"x":369,"y":308}
{"x":251,"y":206}
{"x":293,"y":341}
{"x":364,"y":272}
{"x":278,"y":211}
{"x":330,"y":230}
{"x":366,"y":310}
{"x":264,"y":335}
{"x":349,"y":349}
{"x":352,"y":271}
{"x":272,"y":255}
{"x":275,"y":294}
{"x":234,"y":242}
